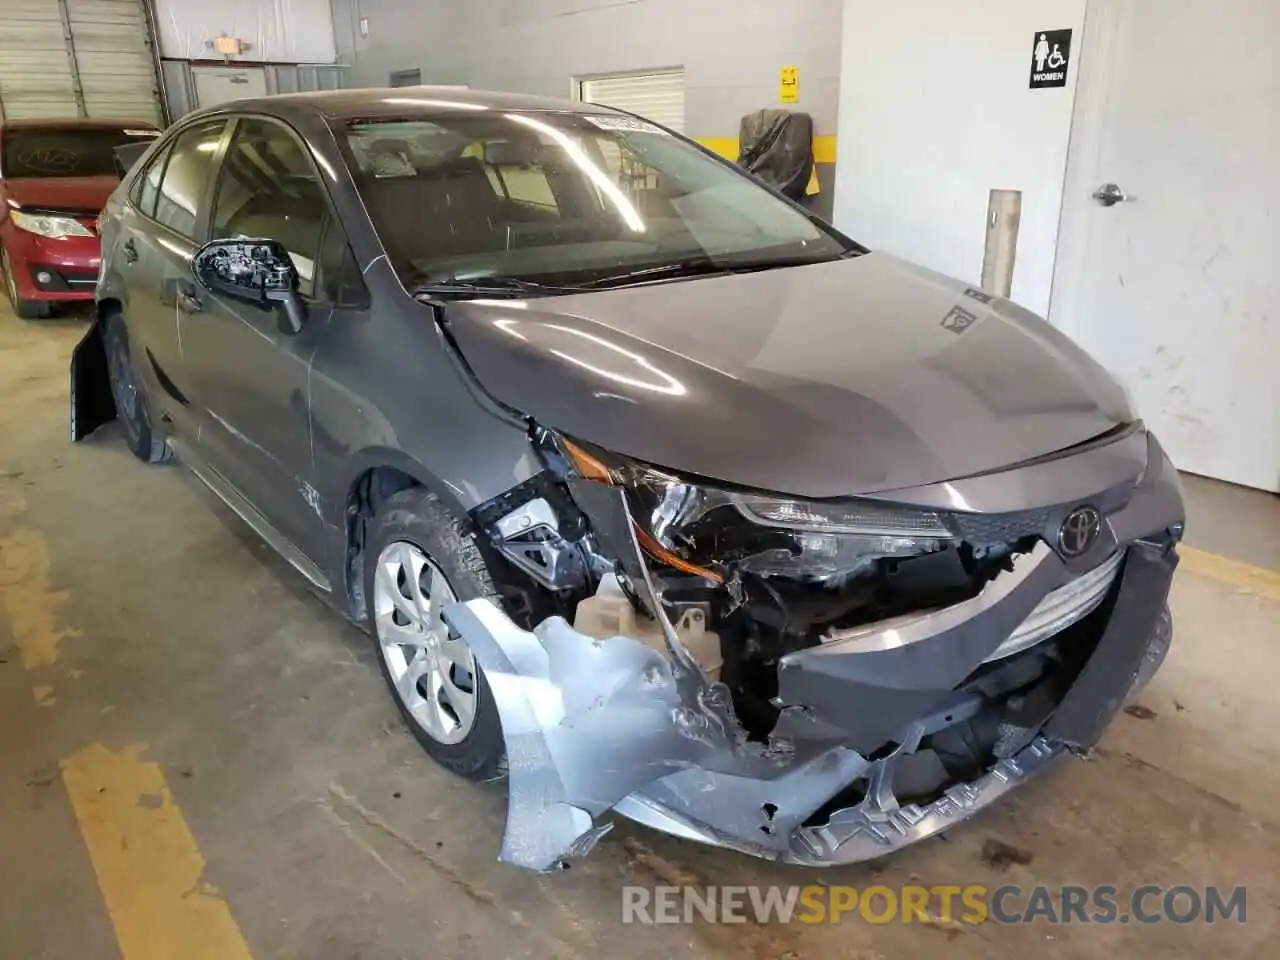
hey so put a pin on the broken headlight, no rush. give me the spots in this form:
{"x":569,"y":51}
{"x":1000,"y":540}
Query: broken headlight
{"x":700,"y":528}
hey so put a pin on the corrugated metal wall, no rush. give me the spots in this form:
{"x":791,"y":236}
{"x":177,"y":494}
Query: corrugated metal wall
{"x":115,"y":56}
{"x":35,"y":71}
{"x":658,"y":96}
{"x":180,"y":91}
{"x":77,"y":58}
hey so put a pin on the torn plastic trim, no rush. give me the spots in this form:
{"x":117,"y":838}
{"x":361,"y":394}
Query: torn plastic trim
{"x":597,"y":724}
{"x":1016,"y":587}
{"x":1068,"y":604}
{"x":879,"y":825}
{"x":1132,"y":648}
{"x":90,"y":397}
{"x":587,"y":722}
{"x":577,"y":739}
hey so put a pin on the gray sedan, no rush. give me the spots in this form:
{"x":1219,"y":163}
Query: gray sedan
{"x":655,"y":493}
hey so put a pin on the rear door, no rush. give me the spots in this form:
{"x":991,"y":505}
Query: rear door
{"x":248,"y":377}
{"x":152,"y":250}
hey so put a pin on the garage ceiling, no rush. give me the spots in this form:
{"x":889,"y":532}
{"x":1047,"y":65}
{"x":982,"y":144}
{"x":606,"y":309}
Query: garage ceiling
{"x":77,"y":58}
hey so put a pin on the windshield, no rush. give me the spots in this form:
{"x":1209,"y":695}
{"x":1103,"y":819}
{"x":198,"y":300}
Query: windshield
{"x":66,"y":151}
{"x":565,"y":199}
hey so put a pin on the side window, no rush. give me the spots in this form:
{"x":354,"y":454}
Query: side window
{"x":269,"y":188}
{"x":147,"y":186}
{"x":186,"y":176}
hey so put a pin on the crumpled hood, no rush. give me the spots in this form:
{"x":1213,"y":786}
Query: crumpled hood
{"x":80,"y":194}
{"x":838,"y":378}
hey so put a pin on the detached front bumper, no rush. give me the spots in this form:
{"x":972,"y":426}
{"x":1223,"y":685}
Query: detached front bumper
{"x":595,"y":725}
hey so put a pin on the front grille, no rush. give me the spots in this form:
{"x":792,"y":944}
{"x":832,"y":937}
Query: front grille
{"x":985,"y":529}
{"x":1062,"y":607}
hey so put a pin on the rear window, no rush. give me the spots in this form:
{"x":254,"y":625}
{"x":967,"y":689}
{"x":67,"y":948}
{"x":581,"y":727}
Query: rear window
{"x":66,"y":152}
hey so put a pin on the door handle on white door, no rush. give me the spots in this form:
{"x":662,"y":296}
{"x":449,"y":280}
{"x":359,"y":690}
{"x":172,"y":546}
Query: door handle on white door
{"x":1109,"y":195}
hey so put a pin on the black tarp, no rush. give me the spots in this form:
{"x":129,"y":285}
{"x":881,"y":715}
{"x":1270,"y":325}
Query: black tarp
{"x":777,"y":146}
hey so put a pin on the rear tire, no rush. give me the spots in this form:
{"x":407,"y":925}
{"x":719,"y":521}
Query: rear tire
{"x":133,"y":407}
{"x":26,"y":309}
{"x":414,"y":531}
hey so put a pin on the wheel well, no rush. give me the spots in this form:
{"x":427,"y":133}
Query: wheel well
{"x":108,"y":306}
{"x":92,"y":403}
{"x":367,"y":495}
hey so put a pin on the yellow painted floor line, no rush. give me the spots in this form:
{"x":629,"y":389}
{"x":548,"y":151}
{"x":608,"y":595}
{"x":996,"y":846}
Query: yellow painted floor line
{"x":1244,"y":576}
{"x":148,"y":865}
{"x":28,"y":601}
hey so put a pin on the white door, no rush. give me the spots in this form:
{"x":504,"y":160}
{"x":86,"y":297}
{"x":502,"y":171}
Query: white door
{"x":1176,"y":288}
{"x":77,"y":58}
{"x":215,"y":85}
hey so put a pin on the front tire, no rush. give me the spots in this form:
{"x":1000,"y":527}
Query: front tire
{"x":26,"y":309}
{"x":133,"y":407}
{"x":417,"y":560}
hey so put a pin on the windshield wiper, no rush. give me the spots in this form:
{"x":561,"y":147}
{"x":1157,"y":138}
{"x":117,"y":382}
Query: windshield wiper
{"x":699,"y":268}
{"x":485,"y":286}
{"x":681,"y":268}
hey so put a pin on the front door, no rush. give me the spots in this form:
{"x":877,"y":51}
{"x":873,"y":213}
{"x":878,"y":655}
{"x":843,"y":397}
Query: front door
{"x":158,"y":234}
{"x":250,"y":377}
{"x":1168,"y":274}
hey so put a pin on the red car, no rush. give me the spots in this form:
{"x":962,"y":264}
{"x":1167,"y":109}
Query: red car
{"x":55,"y":175}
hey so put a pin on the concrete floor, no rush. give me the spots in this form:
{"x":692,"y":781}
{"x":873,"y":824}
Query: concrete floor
{"x":136,"y":612}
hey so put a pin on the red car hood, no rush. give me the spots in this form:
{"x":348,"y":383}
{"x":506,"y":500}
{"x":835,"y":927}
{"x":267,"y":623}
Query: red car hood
{"x":87,"y":194}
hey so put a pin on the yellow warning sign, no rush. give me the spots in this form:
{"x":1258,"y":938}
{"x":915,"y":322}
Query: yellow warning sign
{"x":789,"y":85}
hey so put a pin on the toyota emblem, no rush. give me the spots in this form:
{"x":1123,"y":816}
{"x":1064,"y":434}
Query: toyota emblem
{"x":1079,"y":531}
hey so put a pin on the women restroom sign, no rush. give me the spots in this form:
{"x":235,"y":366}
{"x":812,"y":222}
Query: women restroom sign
{"x":1050,"y":57}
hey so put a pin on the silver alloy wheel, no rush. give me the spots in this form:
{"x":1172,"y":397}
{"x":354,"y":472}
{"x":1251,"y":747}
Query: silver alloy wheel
{"x":433,"y":672}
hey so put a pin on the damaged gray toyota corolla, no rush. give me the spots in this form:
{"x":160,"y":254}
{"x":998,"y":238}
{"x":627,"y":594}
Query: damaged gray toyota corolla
{"x":653,"y":491}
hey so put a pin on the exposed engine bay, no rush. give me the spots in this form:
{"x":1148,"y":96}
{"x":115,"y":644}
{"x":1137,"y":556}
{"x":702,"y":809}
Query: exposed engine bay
{"x":744,"y":579}
{"x":908,"y":653}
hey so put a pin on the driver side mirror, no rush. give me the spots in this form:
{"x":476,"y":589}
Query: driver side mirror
{"x":259,"y":272}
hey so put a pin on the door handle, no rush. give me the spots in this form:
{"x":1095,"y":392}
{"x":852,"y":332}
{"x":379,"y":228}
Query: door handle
{"x":188,"y":302}
{"x":130,"y":250}
{"x":1109,"y":195}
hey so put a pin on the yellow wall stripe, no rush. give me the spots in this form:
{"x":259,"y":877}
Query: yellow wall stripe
{"x":1244,"y":576}
{"x":824,"y":147}
{"x":148,"y":865}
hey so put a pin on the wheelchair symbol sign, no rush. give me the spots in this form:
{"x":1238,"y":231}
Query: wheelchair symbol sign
{"x":1050,"y":55}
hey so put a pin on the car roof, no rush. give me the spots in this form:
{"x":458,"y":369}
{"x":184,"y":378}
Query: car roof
{"x":407,"y":102}
{"x":76,"y":123}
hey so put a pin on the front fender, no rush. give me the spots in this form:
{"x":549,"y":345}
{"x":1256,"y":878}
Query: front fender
{"x":455,"y":499}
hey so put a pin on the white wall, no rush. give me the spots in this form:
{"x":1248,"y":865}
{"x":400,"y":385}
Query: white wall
{"x":934,"y":112}
{"x":731,"y":50}
{"x":280,"y":31}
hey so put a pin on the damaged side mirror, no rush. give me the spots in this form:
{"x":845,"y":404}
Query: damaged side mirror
{"x":256,"y":271}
